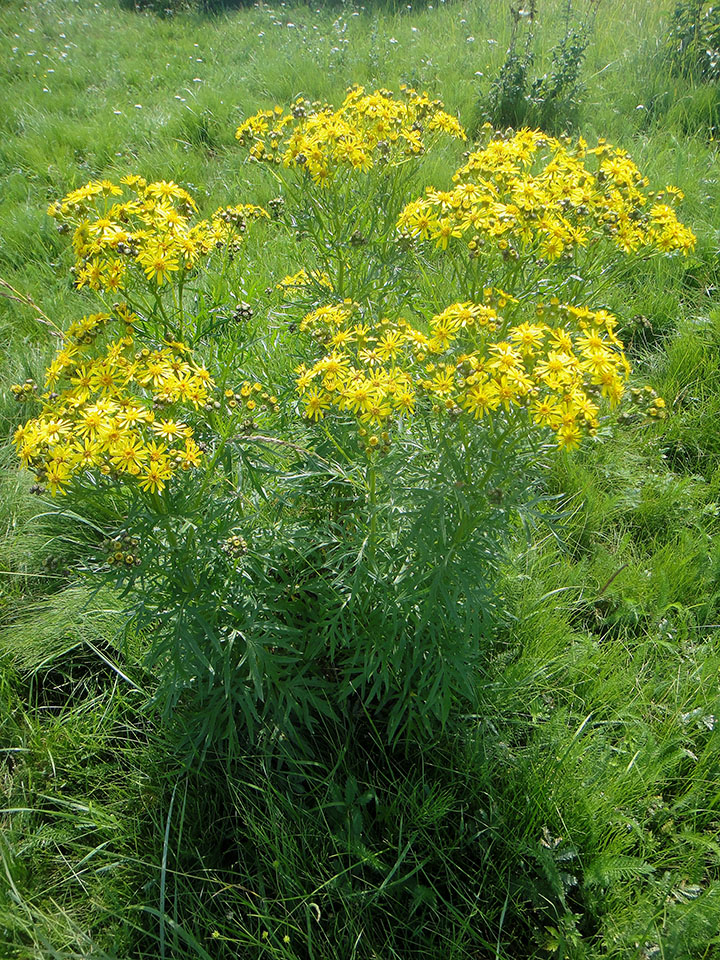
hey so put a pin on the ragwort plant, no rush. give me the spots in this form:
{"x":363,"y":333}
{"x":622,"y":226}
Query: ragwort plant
{"x":312,"y":527}
{"x":342,"y":172}
{"x":528,"y":210}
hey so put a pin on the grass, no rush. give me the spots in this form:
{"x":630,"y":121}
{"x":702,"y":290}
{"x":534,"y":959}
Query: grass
{"x":575,"y":815}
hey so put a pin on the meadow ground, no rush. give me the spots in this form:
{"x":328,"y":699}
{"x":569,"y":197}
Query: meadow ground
{"x":575,"y":814}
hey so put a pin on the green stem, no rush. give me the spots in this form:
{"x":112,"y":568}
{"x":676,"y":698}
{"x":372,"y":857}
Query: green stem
{"x":468,"y":455}
{"x":161,"y":311}
{"x":160,"y":506}
{"x":373,"y":510}
{"x":181,"y":312}
{"x":210,"y":468}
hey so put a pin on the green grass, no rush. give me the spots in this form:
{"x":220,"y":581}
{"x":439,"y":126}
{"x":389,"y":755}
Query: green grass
{"x":576,"y":813}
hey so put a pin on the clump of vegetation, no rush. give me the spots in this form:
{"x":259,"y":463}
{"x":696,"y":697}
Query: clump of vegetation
{"x":693,"y":40}
{"x":520,"y":96}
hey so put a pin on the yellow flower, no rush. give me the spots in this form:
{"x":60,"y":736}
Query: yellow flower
{"x":88,"y":453}
{"x":569,"y":436}
{"x":507,"y":391}
{"x":376,"y":411}
{"x":128,"y":455}
{"x":57,"y":476}
{"x":91,"y":422}
{"x":170,"y":429}
{"x":481,"y":398}
{"x":107,"y":377}
{"x":367,"y":128}
{"x":546,"y":412}
{"x":504,"y":358}
{"x":158,"y":263}
{"x":545,"y":197}
{"x":316,"y":403}
{"x":132,"y":414}
{"x":442,"y":230}
{"x":190,"y":455}
{"x":53,"y":430}
{"x":154,"y":476}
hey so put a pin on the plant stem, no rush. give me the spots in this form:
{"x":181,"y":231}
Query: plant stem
{"x":373,"y":511}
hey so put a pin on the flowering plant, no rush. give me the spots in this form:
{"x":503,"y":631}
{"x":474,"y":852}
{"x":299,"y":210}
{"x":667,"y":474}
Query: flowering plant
{"x":144,"y":240}
{"x":525,"y":206}
{"x":99,"y":416}
{"x":470,"y":363}
{"x":331,"y":543}
{"x":366,"y":130}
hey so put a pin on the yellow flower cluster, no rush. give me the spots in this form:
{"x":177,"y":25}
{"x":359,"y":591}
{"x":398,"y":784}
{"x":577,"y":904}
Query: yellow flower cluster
{"x":366,"y":129}
{"x":296,"y":281}
{"x":533,"y":194}
{"x":556,"y":367}
{"x":250,"y":397}
{"x":145,"y":226}
{"x":112,"y":408}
